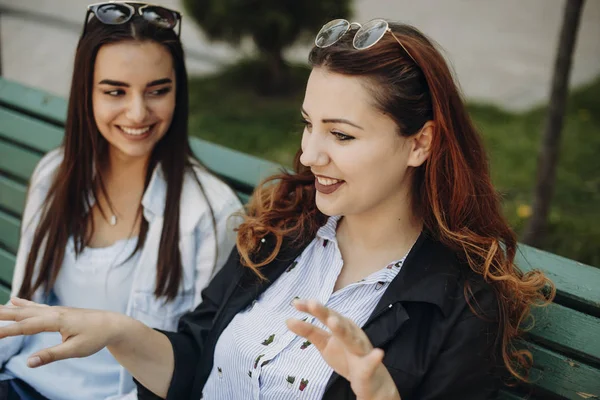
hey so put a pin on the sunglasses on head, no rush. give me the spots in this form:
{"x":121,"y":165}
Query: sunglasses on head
{"x":365,"y":37}
{"x":121,"y":12}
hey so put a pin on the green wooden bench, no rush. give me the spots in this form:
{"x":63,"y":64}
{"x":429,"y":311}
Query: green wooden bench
{"x":565,"y":341}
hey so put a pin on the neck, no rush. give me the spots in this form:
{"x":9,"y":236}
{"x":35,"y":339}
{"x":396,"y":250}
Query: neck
{"x":389,"y":227}
{"x":124,"y":173}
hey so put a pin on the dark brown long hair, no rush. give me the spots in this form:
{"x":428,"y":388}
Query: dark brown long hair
{"x":452,"y":191}
{"x":65,"y":209}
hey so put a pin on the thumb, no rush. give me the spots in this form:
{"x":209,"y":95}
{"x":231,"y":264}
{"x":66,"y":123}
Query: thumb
{"x":59,"y":352}
{"x":373,"y":359}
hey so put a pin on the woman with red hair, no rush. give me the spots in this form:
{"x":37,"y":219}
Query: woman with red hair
{"x":381,"y":268}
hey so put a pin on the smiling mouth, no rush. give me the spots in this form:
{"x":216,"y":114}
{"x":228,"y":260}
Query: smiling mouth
{"x":327,"y":181}
{"x":135,"y":131}
{"x":327,"y":185}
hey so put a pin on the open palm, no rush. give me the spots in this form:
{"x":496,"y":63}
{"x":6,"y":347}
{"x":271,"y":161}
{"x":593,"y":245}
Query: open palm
{"x":347,"y":350}
{"x":84,"y":332}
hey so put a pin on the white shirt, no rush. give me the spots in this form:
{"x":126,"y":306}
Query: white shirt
{"x":196,"y":245}
{"x":257,"y":357}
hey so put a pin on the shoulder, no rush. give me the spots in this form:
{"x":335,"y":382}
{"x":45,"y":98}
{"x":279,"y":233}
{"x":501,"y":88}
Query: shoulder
{"x":204,"y":194}
{"x":454,"y":285}
{"x":477,"y":296}
{"x":219,"y":194}
{"x":46,"y":168}
{"x":42,"y":178}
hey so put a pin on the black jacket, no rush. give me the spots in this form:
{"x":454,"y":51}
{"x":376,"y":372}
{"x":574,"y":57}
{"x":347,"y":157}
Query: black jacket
{"x":435,"y":346}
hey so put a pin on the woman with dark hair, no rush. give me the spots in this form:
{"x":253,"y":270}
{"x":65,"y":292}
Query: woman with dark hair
{"x":121,"y":217}
{"x":382,"y":268}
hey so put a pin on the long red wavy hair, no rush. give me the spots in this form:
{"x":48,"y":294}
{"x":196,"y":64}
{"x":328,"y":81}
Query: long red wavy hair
{"x":452,"y":190}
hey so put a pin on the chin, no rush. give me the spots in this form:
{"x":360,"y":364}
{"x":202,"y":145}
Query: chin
{"x":327,"y":207}
{"x":139,"y":152}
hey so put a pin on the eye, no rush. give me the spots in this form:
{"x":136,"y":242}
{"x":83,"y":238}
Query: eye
{"x":307,"y":124}
{"x":115,"y":93}
{"x":341,"y":136}
{"x":160,"y":92}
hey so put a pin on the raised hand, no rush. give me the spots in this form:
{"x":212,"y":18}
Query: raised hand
{"x":347,"y":350}
{"x":84,"y":332}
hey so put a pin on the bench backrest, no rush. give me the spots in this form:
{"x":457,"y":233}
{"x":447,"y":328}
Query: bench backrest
{"x":565,"y":341}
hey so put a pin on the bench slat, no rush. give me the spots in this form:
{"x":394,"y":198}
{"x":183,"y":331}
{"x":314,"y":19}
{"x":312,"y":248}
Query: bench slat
{"x":33,"y":133}
{"x":12,"y":195}
{"x":16,"y":161}
{"x":558,"y":374}
{"x":33,"y":100}
{"x":569,"y":332}
{"x":7,"y":265}
{"x":244,"y":197}
{"x":242,"y":170}
{"x":233,"y":166}
{"x":4,"y":294}
{"x":577,"y":283}
{"x":9,"y":232}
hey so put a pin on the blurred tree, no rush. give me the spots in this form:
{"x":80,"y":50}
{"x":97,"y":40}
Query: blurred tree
{"x":272,"y":24}
{"x":549,"y":149}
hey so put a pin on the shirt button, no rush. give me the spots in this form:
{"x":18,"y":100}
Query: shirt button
{"x":390,"y":306}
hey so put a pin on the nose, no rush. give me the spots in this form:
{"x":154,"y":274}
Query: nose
{"x":314,"y":153}
{"x":137,"y":110}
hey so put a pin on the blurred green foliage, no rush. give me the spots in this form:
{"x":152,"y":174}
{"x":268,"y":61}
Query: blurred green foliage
{"x":273,"y":25}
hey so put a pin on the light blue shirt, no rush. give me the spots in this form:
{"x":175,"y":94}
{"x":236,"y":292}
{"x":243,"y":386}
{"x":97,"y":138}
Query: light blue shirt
{"x":202,"y":255}
{"x":101,"y":279}
{"x":257,"y":357}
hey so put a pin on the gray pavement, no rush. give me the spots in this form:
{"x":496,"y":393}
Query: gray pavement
{"x":502,"y":51}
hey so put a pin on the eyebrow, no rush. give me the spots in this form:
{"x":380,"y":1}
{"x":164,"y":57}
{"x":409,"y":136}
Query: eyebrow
{"x":336,"y":121}
{"x":123,"y":84}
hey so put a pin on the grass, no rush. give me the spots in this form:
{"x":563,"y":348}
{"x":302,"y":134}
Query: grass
{"x":226,"y":110}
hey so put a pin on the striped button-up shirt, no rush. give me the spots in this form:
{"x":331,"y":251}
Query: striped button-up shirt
{"x":257,"y":357}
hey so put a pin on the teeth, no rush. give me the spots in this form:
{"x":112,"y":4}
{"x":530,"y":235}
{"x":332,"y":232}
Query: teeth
{"x":327,"y":181}
{"x":135,"y":132}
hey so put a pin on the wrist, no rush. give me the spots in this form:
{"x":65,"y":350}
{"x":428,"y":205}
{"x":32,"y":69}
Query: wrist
{"x":387,"y":390}
{"x":117,"y":326}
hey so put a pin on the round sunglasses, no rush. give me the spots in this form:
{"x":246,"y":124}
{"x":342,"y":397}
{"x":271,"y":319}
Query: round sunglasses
{"x":365,"y":37}
{"x":120,"y":12}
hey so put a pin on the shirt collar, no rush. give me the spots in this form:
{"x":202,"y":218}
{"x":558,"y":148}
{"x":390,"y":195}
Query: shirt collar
{"x":328,"y":231}
{"x":154,"y":198}
{"x":429,"y":273}
{"x":192,"y":203}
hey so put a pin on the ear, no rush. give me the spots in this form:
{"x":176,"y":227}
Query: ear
{"x":421,"y":145}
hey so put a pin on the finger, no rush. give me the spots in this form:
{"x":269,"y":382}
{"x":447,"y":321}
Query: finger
{"x":314,"y":308}
{"x":30,"y":326}
{"x":353,"y":338}
{"x":68,"y":349}
{"x":12,"y":313}
{"x":343,"y":328}
{"x":19,"y":302}
{"x":314,"y":334}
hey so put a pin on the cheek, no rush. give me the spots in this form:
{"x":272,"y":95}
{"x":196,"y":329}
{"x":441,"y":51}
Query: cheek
{"x":375,"y":167}
{"x":164,"y":108}
{"x":360,"y":163}
{"x":105,"y":111}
